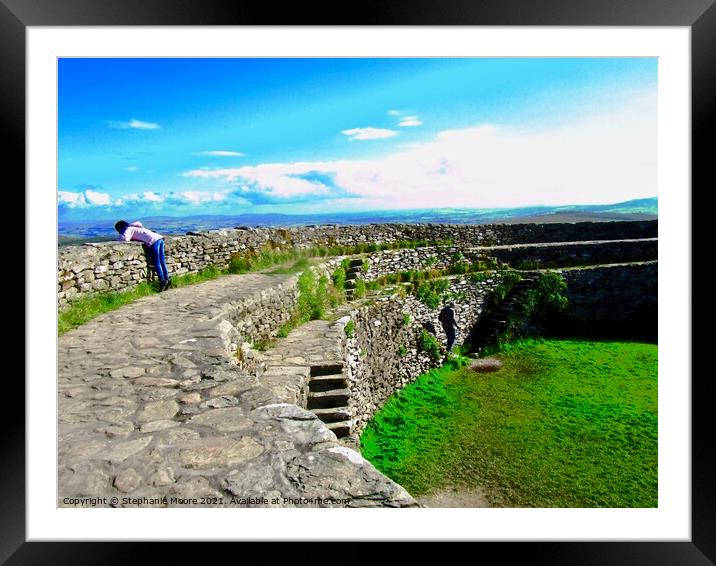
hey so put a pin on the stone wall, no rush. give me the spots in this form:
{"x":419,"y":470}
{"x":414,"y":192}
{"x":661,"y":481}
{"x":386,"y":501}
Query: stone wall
{"x":116,"y":266}
{"x":383,"y":355}
{"x":419,"y":259}
{"x":569,"y":254}
{"x":544,"y":255}
{"x":261,"y":316}
{"x":611,"y":301}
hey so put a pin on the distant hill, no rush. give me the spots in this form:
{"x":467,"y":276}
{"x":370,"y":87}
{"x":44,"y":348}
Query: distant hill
{"x":638,"y":209}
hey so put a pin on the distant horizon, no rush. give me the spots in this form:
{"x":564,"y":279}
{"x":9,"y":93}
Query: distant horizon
{"x":337,"y":135}
{"x":389,"y":211}
{"x":646,"y":208}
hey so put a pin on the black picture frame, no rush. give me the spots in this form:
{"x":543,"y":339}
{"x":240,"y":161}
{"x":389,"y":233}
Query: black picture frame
{"x":699,"y":15}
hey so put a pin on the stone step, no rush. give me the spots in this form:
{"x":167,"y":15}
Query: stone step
{"x":327,"y":399}
{"x":352,"y":275}
{"x":328,"y":382}
{"x":340,"y":428}
{"x":327,"y":368}
{"x":350,"y":284}
{"x":356,"y":263}
{"x":333,"y":414}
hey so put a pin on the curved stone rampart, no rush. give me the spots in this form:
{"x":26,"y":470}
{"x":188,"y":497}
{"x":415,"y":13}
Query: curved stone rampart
{"x":115,"y":266}
{"x":612,"y":301}
{"x":553,"y":254}
{"x":160,"y":404}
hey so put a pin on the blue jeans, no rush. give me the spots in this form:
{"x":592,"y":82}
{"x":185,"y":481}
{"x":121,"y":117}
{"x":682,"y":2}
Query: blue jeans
{"x":156,"y":253}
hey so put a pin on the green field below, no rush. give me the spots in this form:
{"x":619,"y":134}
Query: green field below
{"x":563,"y":424}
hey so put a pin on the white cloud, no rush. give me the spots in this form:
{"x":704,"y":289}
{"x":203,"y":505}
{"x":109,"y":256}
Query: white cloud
{"x":71,"y":199}
{"x":152,"y":196}
{"x":410,"y":121}
{"x":198,"y":197}
{"x":277,"y":180}
{"x":97,"y":199}
{"x":90,"y":198}
{"x":369,"y":133}
{"x":83,"y":198}
{"x":127,"y":199}
{"x":600,"y":159}
{"x":133,"y":124}
{"x":221,"y":153}
{"x":131,"y":168}
{"x":394,"y":112}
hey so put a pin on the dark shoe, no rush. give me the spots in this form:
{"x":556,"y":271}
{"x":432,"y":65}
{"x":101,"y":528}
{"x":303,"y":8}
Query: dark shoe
{"x":167,"y":284}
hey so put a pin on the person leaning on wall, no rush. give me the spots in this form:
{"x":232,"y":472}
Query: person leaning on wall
{"x":153,"y":243}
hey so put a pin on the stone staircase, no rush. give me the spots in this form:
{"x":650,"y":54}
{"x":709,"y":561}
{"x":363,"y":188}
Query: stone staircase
{"x":328,"y":395}
{"x":354,"y":268}
{"x":491,"y":327}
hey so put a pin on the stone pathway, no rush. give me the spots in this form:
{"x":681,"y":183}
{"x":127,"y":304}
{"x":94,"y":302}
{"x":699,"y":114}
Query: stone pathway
{"x":152,"y":412}
{"x":316,"y":353}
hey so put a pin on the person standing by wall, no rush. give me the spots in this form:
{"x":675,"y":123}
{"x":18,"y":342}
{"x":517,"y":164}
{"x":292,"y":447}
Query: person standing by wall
{"x":449,"y":324}
{"x":153,"y":242}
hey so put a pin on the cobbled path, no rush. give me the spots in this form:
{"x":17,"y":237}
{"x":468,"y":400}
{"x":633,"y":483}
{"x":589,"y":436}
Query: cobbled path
{"x":151,"y":411}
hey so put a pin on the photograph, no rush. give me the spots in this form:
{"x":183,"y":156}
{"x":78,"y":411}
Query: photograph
{"x":394,"y":278}
{"x":357,"y":282}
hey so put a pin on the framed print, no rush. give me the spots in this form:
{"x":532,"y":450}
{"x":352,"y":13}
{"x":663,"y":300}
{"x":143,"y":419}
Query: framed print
{"x":80,"y":70}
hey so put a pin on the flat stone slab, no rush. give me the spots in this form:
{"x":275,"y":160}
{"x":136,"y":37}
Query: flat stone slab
{"x":484,"y":365}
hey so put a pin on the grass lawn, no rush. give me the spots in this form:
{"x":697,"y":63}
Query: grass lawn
{"x":563,"y":424}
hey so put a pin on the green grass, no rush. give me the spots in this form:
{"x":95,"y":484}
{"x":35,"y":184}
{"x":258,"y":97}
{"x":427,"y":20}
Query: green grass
{"x":86,"y":308}
{"x":562,"y":424}
{"x":316,"y":296}
{"x":284,"y":261}
{"x":293,"y":267}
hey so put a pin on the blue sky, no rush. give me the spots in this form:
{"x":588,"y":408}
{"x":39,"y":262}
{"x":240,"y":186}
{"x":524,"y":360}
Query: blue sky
{"x":144,"y":137}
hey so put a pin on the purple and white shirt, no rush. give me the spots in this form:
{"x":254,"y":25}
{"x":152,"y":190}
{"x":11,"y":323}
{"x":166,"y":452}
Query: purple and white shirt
{"x":135,"y":232}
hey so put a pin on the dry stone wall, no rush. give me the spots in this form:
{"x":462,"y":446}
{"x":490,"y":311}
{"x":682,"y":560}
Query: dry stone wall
{"x":614,"y":301}
{"x":541,"y":255}
{"x":583,"y":253}
{"x":384,"y":355}
{"x":115,"y":266}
